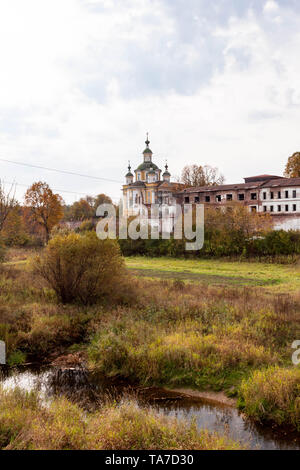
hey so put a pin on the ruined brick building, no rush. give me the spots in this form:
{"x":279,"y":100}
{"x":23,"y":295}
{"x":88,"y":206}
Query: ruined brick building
{"x":263,"y":193}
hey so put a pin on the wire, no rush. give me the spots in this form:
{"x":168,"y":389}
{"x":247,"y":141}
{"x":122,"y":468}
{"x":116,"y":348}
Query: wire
{"x":60,"y":171}
{"x":54,"y":189}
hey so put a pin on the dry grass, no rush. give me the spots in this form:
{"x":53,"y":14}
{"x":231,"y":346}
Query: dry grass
{"x":273,"y":395}
{"x":198,"y":335}
{"x":162,"y":332}
{"x":26,"y":424}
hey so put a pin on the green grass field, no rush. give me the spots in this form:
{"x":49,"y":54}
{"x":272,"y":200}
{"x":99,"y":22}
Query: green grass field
{"x":275,"y":277}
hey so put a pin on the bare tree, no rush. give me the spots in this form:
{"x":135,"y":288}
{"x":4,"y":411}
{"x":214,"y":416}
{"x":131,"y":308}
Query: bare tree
{"x":198,"y":175}
{"x":7,"y":202}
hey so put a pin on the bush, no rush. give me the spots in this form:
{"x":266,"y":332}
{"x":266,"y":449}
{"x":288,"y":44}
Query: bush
{"x":81,"y":268}
{"x":87,"y":226}
{"x":273,"y":395}
{"x":16,"y":358}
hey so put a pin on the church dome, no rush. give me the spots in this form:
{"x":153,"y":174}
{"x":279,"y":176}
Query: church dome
{"x":129,"y":174}
{"x":147,"y":166}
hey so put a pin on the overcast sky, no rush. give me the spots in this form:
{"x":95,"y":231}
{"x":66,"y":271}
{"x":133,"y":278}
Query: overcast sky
{"x":81,"y":81}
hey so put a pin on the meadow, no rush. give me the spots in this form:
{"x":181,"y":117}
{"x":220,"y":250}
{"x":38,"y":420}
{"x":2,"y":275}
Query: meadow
{"x":209,"y":325}
{"x":274,"y":277}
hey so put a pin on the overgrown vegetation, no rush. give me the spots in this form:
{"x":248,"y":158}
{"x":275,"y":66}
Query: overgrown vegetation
{"x":234,"y":232}
{"x":273,"y":395}
{"x":25,"y":424}
{"x":80,"y":268}
{"x":159,"y":332}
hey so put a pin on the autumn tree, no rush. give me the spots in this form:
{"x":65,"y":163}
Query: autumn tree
{"x":44,"y":207}
{"x":227,"y":230}
{"x":198,"y":175}
{"x":7,"y":203}
{"x":101,"y":199}
{"x":292,"y":169}
{"x":85,"y":208}
{"x":14,"y":230}
{"x":81,"y":210}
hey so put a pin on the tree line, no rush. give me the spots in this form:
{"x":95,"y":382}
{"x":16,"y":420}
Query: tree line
{"x":33,"y":222}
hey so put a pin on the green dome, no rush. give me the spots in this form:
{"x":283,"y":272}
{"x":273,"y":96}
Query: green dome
{"x":166,"y":173}
{"x":129,"y":174}
{"x":147,"y":150}
{"x":147,"y":166}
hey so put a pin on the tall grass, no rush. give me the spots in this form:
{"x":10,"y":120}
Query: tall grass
{"x":273,"y":395}
{"x":26,"y":424}
{"x":157,"y":332}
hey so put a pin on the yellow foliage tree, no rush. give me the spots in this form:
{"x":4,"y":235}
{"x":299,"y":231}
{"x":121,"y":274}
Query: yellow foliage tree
{"x":44,"y":207}
{"x":292,"y":169}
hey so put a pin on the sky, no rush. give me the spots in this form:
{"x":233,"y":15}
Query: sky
{"x":82,"y":81}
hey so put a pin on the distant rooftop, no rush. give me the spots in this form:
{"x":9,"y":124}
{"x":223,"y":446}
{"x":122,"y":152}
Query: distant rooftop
{"x":252,"y":179}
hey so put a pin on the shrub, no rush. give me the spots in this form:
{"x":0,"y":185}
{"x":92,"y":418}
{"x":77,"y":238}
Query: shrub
{"x":86,"y":226}
{"x":273,"y":395}
{"x":80,"y":268}
{"x":16,"y":358}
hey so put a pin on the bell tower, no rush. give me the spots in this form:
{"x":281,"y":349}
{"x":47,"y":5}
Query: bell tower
{"x":147,"y":152}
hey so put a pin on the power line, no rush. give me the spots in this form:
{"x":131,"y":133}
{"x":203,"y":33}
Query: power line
{"x":60,"y":171}
{"x":55,"y":189}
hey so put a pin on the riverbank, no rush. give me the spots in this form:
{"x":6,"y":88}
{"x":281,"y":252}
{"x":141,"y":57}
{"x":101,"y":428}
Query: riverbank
{"x":208,"y":338}
{"x":26,"y":424}
{"x":93,"y":393}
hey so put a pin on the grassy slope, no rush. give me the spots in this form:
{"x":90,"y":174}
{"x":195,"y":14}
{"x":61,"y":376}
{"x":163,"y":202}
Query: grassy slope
{"x":275,"y":277}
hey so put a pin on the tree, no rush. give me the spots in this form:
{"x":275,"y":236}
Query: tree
{"x":44,"y":207}
{"x":14,"y":231}
{"x":85,"y":208}
{"x":101,"y":199}
{"x":228,"y":231}
{"x":7,"y":203}
{"x":292,"y":169}
{"x":81,"y":210}
{"x":198,"y":175}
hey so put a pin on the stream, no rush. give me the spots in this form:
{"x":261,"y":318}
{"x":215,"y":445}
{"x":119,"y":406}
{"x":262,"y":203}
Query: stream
{"x":90,"y":390}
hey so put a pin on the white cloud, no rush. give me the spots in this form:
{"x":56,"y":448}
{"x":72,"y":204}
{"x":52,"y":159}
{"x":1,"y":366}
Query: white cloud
{"x":271,"y":7}
{"x":82,"y":81}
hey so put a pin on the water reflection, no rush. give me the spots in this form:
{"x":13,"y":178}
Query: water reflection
{"x":90,"y":390}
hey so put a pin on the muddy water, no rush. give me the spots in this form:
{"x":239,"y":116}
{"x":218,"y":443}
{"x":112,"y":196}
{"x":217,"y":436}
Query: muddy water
{"x":91,"y":390}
